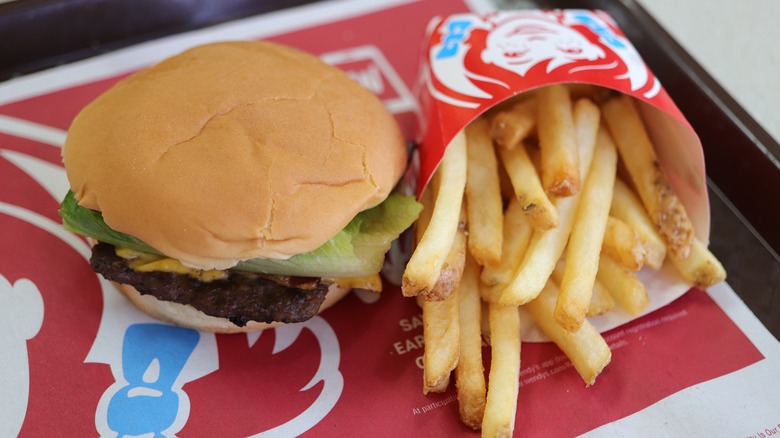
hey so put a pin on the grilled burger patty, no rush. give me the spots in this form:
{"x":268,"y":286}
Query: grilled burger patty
{"x":241,"y":297}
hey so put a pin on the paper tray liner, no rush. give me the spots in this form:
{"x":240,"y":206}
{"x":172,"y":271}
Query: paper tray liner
{"x":84,"y":359}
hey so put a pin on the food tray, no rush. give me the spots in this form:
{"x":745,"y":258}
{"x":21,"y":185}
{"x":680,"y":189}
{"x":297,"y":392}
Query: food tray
{"x":666,"y":349}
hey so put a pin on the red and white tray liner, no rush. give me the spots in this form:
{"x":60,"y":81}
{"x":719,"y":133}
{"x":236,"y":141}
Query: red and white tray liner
{"x":79,"y":358}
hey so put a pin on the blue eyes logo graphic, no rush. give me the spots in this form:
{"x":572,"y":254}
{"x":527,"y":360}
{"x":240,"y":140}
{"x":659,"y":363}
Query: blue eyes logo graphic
{"x":456,"y":34}
{"x":153,"y":356}
{"x":605,"y":33}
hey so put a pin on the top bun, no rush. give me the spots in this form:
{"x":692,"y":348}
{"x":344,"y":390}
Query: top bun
{"x":232,"y":151}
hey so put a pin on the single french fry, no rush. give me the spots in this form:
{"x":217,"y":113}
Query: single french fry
{"x":586,"y":348}
{"x":424,"y":267}
{"x":545,"y":248}
{"x":504,"y":378}
{"x":426,"y":199}
{"x":701,"y":269}
{"x":636,"y":149}
{"x":528,"y":188}
{"x":558,"y":141}
{"x":587,"y":236}
{"x":452,"y":269}
{"x":587,"y":119}
{"x":441,"y":334}
{"x":623,"y":285}
{"x":483,"y":195}
{"x":507,"y":191}
{"x":627,"y":207}
{"x":624,"y":244}
{"x":509,"y":127}
{"x":439,"y":326}
{"x":470,"y":372}
{"x":517,"y":234}
{"x":601,"y":301}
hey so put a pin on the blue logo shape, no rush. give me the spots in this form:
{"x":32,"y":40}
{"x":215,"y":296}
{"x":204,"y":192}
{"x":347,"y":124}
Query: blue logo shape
{"x":457,"y":31}
{"x":600,"y":30}
{"x":153,"y":356}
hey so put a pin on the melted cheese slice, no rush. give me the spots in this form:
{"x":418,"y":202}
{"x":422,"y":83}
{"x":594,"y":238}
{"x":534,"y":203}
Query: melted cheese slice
{"x":145,"y":262}
{"x":370,"y":282}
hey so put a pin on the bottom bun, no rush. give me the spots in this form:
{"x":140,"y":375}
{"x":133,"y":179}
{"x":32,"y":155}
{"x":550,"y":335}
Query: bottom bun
{"x":187,"y":316}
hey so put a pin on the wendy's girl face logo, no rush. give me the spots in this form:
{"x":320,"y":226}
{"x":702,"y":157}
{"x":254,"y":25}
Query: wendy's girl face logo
{"x":520,"y":50}
{"x":519,"y":43}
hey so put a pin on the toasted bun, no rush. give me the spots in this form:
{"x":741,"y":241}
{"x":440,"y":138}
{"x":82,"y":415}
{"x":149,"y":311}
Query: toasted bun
{"x":232,"y":151}
{"x":187,"y":316}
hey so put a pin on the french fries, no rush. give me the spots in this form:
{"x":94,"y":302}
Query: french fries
{"x":623,"y":285}
{"x":544,"y":250}
{"x":452,"y":269}
{"x":558,"y":141}
{"x":483,"y":195}
{"x":441,"y":328}
{"x":587,"y":236}
{"x":541,"y":213}
{"x":504,"y":379}
{"x":546,"y":247}
{"x":470,"y":372}
{"x":512,"y":126}
{"x":601,"y":301}
{"x":701,"y":268}
{"x":424,"y":268}
{"x":636,"y":150}
{"x":517,"y":234}
{"x":587,"y":350}
{"x":552,"y":229}
{"x":624,"y":244}
{"x":587,"y":117}
{"x":441,"y":332}
{"x":627,"y":207}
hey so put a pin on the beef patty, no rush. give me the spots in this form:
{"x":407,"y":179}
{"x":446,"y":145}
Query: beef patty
{"x":241,"y":297}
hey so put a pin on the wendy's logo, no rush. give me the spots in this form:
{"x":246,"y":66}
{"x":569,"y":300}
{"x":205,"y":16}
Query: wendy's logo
{"x":519,"y":43}
{"x":475,"y":60}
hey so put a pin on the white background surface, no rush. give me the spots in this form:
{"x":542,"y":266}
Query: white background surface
{"x":738,"y":43}
{"x":745,"y":403}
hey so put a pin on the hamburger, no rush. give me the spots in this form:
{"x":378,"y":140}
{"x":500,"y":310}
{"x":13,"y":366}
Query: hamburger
{"x":237,"y":186}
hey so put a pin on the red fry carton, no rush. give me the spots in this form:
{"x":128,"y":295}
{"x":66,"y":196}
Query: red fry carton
{"x":472,"y":62}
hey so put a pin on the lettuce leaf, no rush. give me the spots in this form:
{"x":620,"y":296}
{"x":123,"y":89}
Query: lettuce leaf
{"x":357,"y":250}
